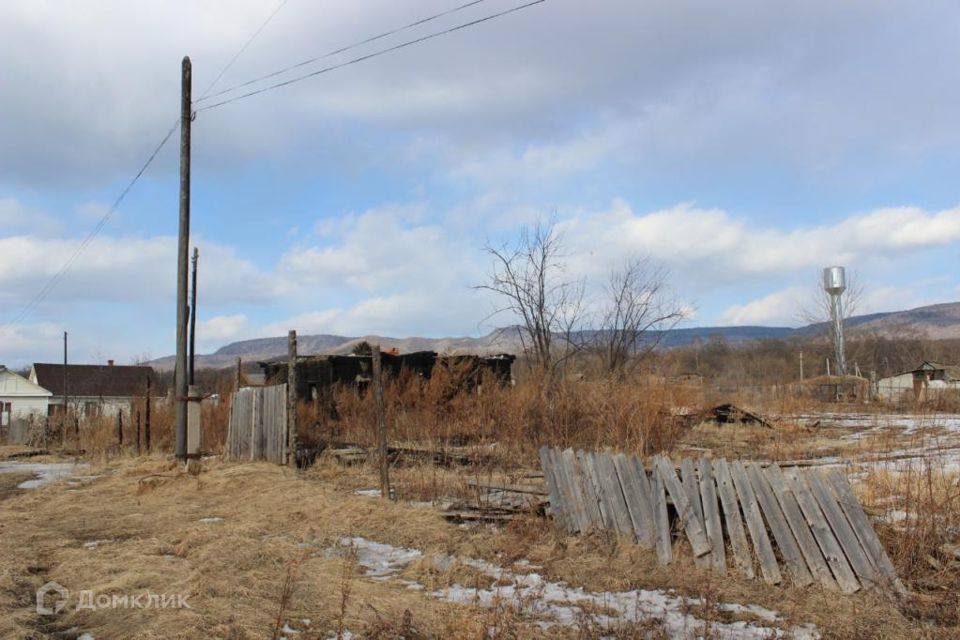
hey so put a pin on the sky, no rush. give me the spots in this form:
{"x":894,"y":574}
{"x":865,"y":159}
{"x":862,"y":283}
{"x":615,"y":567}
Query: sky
{"x":739,"y":146}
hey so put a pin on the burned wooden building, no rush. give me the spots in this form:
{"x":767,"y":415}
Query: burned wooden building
{"x":316,"y":375}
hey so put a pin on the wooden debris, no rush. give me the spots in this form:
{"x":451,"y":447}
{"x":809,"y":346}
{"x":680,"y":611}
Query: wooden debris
{"x":819,"y":530}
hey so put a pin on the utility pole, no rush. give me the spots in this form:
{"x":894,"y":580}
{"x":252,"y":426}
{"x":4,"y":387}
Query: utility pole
{"x":292,"y":398}
{"x":801,"y":365}
{"x":146,"y":417}
{"x":193,"y":310}
{"x":376,"y":381}
{"x":183,"y":250}
{"x":63,"y":418}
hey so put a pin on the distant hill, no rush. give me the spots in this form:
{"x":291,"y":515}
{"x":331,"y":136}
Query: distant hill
{"x":935,"y":322}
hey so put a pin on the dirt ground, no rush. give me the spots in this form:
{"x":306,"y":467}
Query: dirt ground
{"x":261,"y":551}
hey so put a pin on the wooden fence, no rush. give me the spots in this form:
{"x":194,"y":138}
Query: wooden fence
{"x":812,"y":519}
{"x":258,"y":424}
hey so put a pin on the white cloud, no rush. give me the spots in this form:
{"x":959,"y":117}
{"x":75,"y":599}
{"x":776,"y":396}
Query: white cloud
{"x":780,"y":308}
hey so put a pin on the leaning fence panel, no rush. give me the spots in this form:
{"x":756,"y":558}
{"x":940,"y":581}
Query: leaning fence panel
{"x":258,"y":424}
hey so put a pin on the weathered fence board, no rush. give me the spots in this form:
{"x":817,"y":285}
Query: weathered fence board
{"x":861,"y":564}
{"x":758,"y":530}
{"x":819,"y":530}
{"x":258,"y":424}
{"x":731,"y":512}
{"x":688,"y":519}
{"x":778,"y":525}
{"x":661,"y":520}
{"x":638,"y":502}
{"x":827,"y":542}
{"x":861,"y":527}
{"x":711,"y":516}
{"x":805,"y":540}
{"x":691,"y":485}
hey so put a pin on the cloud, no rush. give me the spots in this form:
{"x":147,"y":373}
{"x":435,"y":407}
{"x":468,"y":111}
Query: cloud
{"x":124,"y":269}
{"x":780,"y":308}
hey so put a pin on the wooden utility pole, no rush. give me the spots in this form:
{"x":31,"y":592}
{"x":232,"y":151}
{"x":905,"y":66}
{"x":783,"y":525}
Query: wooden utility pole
{"x":801,"y":365}
{"x":292,"y":398}
{"x":63,"y":418}
{"x":120,"y":429}
{"x":239,"y":381}
{"x":377,"y":382}
{"x":139,"y":451}
{"x":183,"y":259}
{"x":146,"y":418}
{"x":193,"y":310}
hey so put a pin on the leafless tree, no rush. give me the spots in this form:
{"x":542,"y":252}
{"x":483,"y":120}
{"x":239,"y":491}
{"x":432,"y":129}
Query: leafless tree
{"x":529,"y":276}
{"x":636,"y":312}
{"x":817,"y":310}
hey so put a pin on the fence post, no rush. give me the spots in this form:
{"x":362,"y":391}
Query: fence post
{"x":120,"y":429}
{"x":138,"y":432}
{"x":377,"y":380}
{"x":146,"y":418}
{"x":291,"y":452}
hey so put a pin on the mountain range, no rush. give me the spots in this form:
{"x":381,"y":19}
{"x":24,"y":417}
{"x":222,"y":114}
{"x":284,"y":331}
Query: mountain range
{"x":934,"y":322}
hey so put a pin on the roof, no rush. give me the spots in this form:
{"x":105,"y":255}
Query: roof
{"x":93,"y":380}
{"x":952,"y":370}
{"x":13,"y":384}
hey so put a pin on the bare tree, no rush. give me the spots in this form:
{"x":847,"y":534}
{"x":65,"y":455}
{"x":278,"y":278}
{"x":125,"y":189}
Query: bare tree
{"x":635,"y":315}
{"x":529,"y":277}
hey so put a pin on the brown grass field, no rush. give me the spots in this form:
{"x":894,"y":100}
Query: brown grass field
{"x":255,"y":547}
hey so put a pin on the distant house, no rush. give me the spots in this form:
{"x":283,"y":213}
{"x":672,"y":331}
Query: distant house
{"x":21,"y":401}
{"x":926,"y":379}
{"x":93,"y":389}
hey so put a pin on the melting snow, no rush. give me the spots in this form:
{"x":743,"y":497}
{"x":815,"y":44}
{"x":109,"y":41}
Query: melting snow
{"x":369,"y":493}
{"x":557,"y":603}
{"x":45,"y":472}
{"x":93,"y":544}
{"x":211,"y":520}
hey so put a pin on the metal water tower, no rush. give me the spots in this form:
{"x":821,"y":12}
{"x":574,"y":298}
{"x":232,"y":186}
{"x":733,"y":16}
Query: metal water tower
{"x":835,"y":283}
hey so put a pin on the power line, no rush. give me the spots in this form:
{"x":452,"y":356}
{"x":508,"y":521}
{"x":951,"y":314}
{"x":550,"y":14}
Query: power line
{"x":371,"y":55}
{"x":58,"y":276}
{"x":380,"y":36}
{"x":239,"y":53}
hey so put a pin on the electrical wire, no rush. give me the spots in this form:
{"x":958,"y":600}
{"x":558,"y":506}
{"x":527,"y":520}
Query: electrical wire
{"x":239,"y":53}
{"x":370,"y":55}
{"x":380,"y":36}
{"x":58,"y":276}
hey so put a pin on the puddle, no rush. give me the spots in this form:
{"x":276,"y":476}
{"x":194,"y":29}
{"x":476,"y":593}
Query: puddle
{"x":549,"y":603}
{"x":44,"y":472}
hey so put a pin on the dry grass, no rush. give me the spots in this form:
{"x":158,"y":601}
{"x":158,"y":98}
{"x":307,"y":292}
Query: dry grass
{"x":265,"y":561}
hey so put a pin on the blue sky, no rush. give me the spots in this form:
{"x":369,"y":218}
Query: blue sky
{"x":740,"y":146}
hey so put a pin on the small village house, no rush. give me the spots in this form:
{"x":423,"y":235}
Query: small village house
{"x":928,"y":378}
{"x":21,"y":401}
{"x":93,"y":389}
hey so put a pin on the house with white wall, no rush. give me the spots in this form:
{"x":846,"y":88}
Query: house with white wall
{"x":93,"y":389}
{"x":21,"y":401}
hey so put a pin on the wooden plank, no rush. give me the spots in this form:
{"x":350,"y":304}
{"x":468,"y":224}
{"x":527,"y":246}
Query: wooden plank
{"x":661,"y":519}
{"x":789,"y":549}
{"x":557,"y":503}
{"x":646,"y":493}
{"x":583,"y":506}
{"x":711,"y":516}
{"x":829,"y":546}
{"x":862,"y":566}
{"x":758,"y":530}
{"x":695,"y":533}
{"x":638,"y":500}
{"x":594,"y":488}
{"x":798,"y":525}
{"x":588,"y":492}
{"x":613,"y":495}
{"x":691,"y":485}
{"x":731,"y":513}
{"x":563,"y":469}
{"x":863,"y":528}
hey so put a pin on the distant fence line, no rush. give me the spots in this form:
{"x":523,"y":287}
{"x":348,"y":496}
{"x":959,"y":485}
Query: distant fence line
{"x":258,"y":424}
